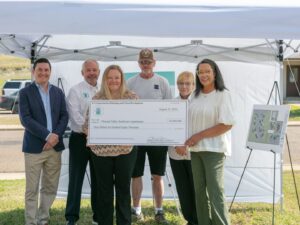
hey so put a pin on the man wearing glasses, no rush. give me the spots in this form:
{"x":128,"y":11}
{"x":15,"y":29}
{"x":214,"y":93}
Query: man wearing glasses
{"x":148,"y":85}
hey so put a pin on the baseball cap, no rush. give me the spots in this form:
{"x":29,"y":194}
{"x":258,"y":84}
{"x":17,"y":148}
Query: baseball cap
{"x":146,"y":54}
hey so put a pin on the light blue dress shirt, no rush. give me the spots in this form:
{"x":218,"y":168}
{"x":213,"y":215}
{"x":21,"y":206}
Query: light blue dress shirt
{"x":47,"y":106}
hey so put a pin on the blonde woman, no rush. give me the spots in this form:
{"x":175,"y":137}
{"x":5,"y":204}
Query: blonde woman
{"x":181,"y":164}
{"x":113,"y":164}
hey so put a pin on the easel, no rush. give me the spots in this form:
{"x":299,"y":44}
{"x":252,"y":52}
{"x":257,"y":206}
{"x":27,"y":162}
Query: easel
{"x":277,"y":95}
{"x":60,"y":83}
{"x":172,"y":190}
{"x":287,"y":141}
{"x":173,"y":193}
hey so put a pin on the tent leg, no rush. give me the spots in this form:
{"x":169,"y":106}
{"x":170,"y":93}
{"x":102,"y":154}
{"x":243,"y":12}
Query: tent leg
{"x":274,"y":180}
{"x":173,"y":193}
{"x":153,"y":198}
{"x":281,"y":181}
{"x":88,"y":177}
{"x":292,"y":168}
{"x":240,"y":179}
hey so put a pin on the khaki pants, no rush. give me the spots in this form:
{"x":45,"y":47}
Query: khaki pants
{"x":44,"y":166}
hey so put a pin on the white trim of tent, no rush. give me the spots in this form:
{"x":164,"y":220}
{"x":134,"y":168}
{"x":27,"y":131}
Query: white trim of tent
{"x":188,"y":50}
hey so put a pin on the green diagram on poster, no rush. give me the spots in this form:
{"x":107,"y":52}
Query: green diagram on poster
{"x":267,"y":127}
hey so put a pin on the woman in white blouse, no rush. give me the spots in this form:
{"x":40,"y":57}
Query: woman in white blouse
{"x":181,"y":164}
{"x":210,"y":119}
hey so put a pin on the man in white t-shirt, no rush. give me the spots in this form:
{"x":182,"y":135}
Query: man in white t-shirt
{"x":148,"y":85}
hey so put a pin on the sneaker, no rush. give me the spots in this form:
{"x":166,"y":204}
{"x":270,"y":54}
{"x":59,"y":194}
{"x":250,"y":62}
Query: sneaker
{"x":94,"y":222}
{"x":136,"y":217}
{"x":160,"y":217}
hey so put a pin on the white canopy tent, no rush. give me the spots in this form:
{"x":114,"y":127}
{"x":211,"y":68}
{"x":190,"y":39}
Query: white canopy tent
{"x":243,"y":38}
{"x":169,"y":18}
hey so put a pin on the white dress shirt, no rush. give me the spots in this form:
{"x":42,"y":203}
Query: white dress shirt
{"x":78,"y":102}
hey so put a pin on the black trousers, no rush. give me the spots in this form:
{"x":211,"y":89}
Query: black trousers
{"x":79,"y":156}
{"x":114,"y":172}
{"x":182,"y":172}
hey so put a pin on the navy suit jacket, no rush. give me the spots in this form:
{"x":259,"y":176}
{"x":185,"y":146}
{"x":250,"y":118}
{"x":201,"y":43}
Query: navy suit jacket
{"x":33,"y":118}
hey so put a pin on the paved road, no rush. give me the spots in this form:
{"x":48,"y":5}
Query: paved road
{"x":11,"y":156}
{"x":5,"y":112}
{"x":293,"y":138}
{"x":12,"y":160}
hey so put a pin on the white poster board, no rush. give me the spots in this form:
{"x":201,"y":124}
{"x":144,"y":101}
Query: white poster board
{"x":267,"y":127}
{"x":138,"y":122}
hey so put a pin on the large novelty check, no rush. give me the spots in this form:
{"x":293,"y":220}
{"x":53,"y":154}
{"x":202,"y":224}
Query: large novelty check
{"x":138,"y":122}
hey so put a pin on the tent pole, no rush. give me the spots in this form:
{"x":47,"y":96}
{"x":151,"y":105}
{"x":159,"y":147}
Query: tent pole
{"x":281,"y":154}
{"x":32,"y":57}
{"x":280,"y":90}
{"x":280,"y":59}
{"x":274,"y":180}
{"x":277,"y":99}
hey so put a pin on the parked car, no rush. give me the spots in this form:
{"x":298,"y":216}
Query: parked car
{"x":10,"y":102}
{"x":11,"y":86}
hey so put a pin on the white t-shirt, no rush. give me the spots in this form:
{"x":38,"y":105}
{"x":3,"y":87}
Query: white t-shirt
{"x":156,"y":87}
{"x":208,"y":110}
{"x":78,"y":101}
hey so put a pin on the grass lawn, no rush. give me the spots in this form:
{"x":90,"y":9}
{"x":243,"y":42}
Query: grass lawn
{"x":12,"y":208}
{"x":13,"y":68}
{"x":295,"y":113}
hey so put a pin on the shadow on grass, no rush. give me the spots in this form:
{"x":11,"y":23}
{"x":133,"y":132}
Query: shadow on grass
{"x":57,"y":216}
{"x":250,"y":209}
{"x":16,"y":216}
{"x":12,"y":217}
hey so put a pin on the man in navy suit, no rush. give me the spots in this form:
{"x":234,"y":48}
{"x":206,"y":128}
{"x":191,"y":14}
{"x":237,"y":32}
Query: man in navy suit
{"x":44,"y":116}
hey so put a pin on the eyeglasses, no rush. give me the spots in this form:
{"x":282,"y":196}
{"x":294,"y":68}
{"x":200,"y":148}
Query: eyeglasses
{"x":145,"y":62}
{"x":199,"y":73}
{"x":187,"y":84}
